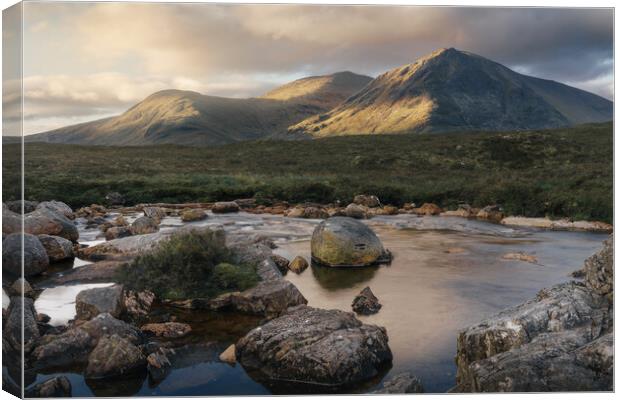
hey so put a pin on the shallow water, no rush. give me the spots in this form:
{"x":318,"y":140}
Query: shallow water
{"x":428,"y":295}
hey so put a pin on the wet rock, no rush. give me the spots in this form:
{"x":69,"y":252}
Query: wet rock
{"x":298,"y":265}
{"x":311,"y":345}
{"x":106,"y":324}
{"x":401,"y":384}
{"x":225,"y":207}
{"x":367,"y":200}
{"x":120,"y":221}
{"x":93,"y":211}
{"x":385,"y":210}
{"x":228,"y":355}
{"x":268,"y":298}
{"x":281,"y":262}
{"x":342,"y":241}
{"x":144,"y":225}
{"x":103,"y":271}
{"x":194,"y":214}
{"x":16,"y":206}
{"x":167,"y":329}
{"x":296,"y":212}
{"x":529,"y":258}
{"x":355,"y":211}
{"x":58,"y":386}
{"x":91,"y":302}
{"x":44,"y":221}
{"x":138,"y":304}
{"x":56,"y":207}
{"x":463,"y":210}
{"x":366,"y":302}
{"x":314,"y":213}
{"x":67,"y":349}
{"x":21,"y":307}
{"x":34,"y":255}
{"x":599,"y":270}
{"x":559,"y":341}
{"x":113,"y":356}
{"x":117,"y":232}
{"x":158,"y":364}
{"x":56,"y":247}
{"x":428,"y":209}
{"x":157,"y":213}
{"x":114,"y":199}
{"x":558,"y":225}
{"x":493,"y":213}
{"x":21,"y":287}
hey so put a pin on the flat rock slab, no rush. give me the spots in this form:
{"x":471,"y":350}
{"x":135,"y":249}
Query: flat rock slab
{"x":315,"y":346}
{"x":92,"y":302}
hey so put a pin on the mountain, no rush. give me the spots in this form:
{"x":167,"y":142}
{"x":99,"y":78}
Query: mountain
{"x":190,"y":118}
{"x":450,"y":90}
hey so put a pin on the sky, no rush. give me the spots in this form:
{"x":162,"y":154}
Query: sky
{"x":84,"y":61}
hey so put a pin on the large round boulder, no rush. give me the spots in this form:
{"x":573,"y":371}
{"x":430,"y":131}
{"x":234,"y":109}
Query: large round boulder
{"x":57,"y":248}
{"x":35,"y":256}
{"x":144,"y":225}
{"x":346,"y":242}
{"x":57,"y":207}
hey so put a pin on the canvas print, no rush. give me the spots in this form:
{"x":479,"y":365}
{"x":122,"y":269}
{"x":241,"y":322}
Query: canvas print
{"x":209,"y":199}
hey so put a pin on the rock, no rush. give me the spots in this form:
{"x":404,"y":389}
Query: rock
{"x":228,"y":355}
{"x":93,"y":211}
{"x":91,"y":302}
{"x":120,"y":221}
{"x":366,"y":302}
{"x":113,"y":356}
{"x":156,"y":213}
{"x":355,"y":211}
{"x":16,"y":206}
{"x":558,"y":225}
{"x":492,"y":213}
{"x":41,"y":221}
{"x":314,"y":213}
{"x":58,"y":386}
{"x":281,"y":262}
{"x":167,"y":329}
{"x":298,"y":265}
{"x":56,"y":207}
{"x":67,"y":349}
{"x":401,"y":384}
{"x":102,"y":272}
{"x":225,"y":207}
{"x":117,"y":232}
{"x":144,"y":225}
{"x":345,"y":242}
{"x":34,"y":255}
{"x":122,"y":248}
{"x":246,"y":203}
{"x":385,"y":210}
{"x":56,"y":247}
{"x":559,"y":341}
{"x":193,"y":214}
{"x":464,"y":211}
{"x":21,"y":308}
{"x":115,"y":199}
{"x":106,"y":324}
{"x":21,"y":287}
{"x":297,"y":212}
{"x":455,"y":250}
{"x":599,"y":269}
{"x":428,"y":209}
{"x":158,"y":364}
{"x":43,"y":318}
{"x":268,"y":298}
{"x":311,"y":345}
{"x":367,"y":200}
{"x":138,"y":304}
{"x":529,"y":258}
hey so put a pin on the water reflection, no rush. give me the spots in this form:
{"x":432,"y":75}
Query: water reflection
{"x":342,"y":278}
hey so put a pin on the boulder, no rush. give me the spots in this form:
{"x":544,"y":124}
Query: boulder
{"x":296,"y":212}
{"x":281,"y":262}
{"x":193,"y":214}
{"x":143,"y":225}
{"x":16,"y":206}
{"x":117,"y":232}
{"x":21,"y":287}
{"x":463,"y":210}
{"x":56,"y":207}
{"x":401,"y":384}
{"x":315,"y":346}
{"x":113,"y":356}
{"x":58,"y":386}
{"x":99,"y":272}
{"x":91,"y":302}
{"x":345,"y":242}
{"x":367,"y":200}
{"x":114,"y":199}
{"x":125,"y":248}
{"x":167,"y":329}
{"x":64,"y":350}
{"x":314,"y":213}
{"x":228,"y":355}
{"x":157,"y":213}
{"x":225,"y":207}
{"x":158,"y":364}
{"x":366,"y":302}
{"x":21,"y":307}
{"x":34,"y":255}
{"x":355,"y":211}
{"x":599,"y":270}
{"x":298,"y":265}
{"x":106,"y":324}
{"x":138,"y":304}
{"x":428,"y":209}
{"x":46,"y":221}
{"x":56,"y":247}
{"x":93,"y":211}
{"x":493,"y":213}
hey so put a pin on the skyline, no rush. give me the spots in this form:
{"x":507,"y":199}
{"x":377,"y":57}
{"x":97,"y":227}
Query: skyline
{"x":85,"y":61}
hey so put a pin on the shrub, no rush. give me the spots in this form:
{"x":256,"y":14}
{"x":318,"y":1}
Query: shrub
{"x":188,"y":265}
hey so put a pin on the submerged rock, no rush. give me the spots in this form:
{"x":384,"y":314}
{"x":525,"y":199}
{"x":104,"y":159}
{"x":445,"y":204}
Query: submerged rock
{"x":167,"y":329}
{"x":225,"y":207}
{"x":529,"y":258}
{"x":57,"y":248}
{"x":345,"y":242}
{"x":113,"y":356}
{"x":91,"y":302}
{"x":58,"y":386}
{"x":311,"y":345}
{"x":298,"y":265}
{"x":366,"y":302}
{"x":559,"y":341}
{"x":158,"y":364}
{"x":401,"y":384}
{"x":34,"y":255}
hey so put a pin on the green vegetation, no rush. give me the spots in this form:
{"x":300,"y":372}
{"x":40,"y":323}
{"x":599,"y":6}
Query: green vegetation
{"x":559,"y":173}
{"x":188,"y":265}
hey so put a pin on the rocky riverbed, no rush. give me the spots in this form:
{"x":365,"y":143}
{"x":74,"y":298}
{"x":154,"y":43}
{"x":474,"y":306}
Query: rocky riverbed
{"x":447,"y":273}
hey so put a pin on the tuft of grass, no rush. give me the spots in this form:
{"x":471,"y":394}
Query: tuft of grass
{"x":557,"y":173}
{"x":188,"y":265}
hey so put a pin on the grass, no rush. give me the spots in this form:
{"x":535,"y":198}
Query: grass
{"x":556,"y":173}
{"x":189,"y":265}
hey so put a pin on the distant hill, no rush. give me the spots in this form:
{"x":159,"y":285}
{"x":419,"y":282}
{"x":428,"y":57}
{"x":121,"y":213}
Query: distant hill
{"x":190,"y":118}
{"x":451,"y":90}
